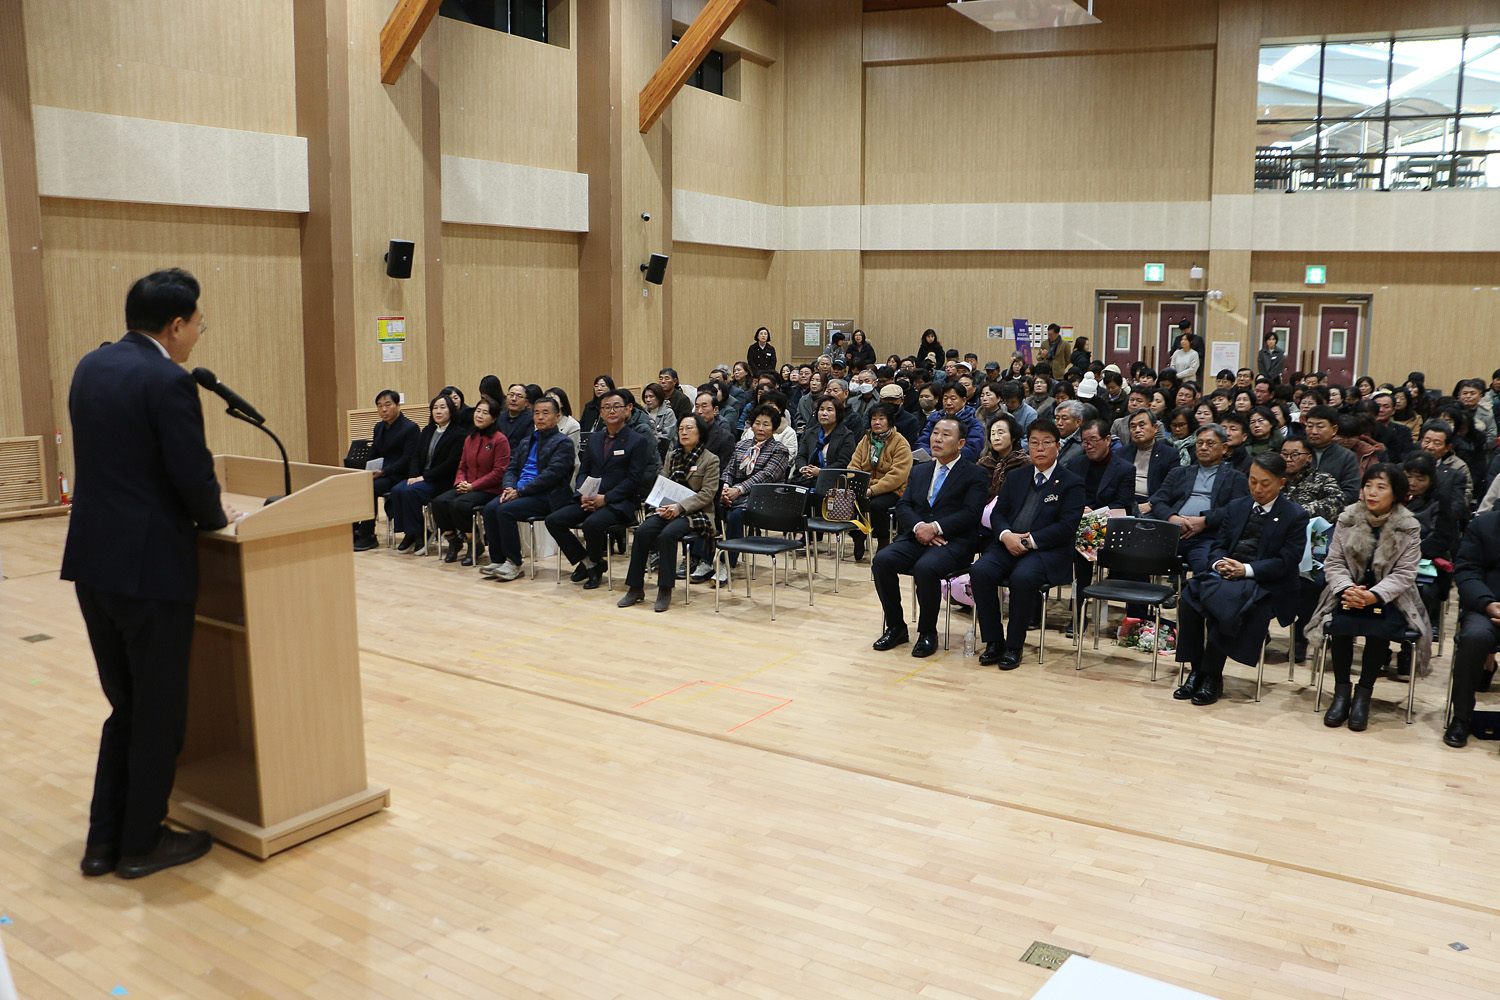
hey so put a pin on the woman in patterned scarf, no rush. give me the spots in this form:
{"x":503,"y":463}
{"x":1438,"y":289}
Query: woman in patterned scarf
{"x":692,"y":465}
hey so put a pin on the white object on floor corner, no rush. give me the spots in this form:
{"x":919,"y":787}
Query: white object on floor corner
{"x":1084,"y":979}
{"x":7,"y":985}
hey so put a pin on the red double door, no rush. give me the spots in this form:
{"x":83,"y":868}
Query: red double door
{"x":1332,"y":344}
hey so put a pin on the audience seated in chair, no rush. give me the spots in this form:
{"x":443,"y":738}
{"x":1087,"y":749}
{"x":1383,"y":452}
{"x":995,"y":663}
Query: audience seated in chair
{"x":1196,"y":496}
{"x":394,"y":441}
{"x":1034,"y":521}
{"x":1108,"y":476}
{"x":1254,"y":563}
{"x":938,"y":518}
{"x":438,"y":452}
{"x":827,"y":443}
{"x":1434,"y":512}
{"x":481,"y":469}
{"x":691,"y":464}
{"x":1476,"y":574}
{"x":624,"y":462}
{"x":1370,"y":589}
{"x":759,"y":458}
{"x":538,"y":480}
{"x":1150,"y":456}
{"x":886,"y":455}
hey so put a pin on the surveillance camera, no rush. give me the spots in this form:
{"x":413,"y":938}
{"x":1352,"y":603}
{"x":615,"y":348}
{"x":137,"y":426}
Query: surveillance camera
{"x":645,"y":216}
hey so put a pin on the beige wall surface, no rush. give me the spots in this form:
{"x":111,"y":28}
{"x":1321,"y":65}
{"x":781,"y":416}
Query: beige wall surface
{"x":1433,"y":312}
{"x":226,"y":63}
{"x":10,"y":362}
{"x":248,"y":266}
{"x":510,"y":307}
{"x":720,"y":296}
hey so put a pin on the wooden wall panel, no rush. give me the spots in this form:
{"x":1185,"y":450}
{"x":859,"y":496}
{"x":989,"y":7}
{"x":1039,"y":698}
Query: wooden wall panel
{"x":729,"y":147}
{"x":508,"y":98}
{"x":1103,"y":127}
{"x":10,"y":358}
{"x":821,"y":284}
{"x":823,"y":42}
{"x":942,"y":34}
{"x":226,"y":63}
{"x":386,"y":171}
{"x":1430,"y":312}
{"x":1293,"y":18}
{"x":646,"y":186}
{"x":248,"y":264}
{"x":720,"y":295}
{"x":510,"y":307}
{"x":960,"y":293}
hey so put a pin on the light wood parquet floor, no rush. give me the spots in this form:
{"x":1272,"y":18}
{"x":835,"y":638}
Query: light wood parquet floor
{"x":597,"y":803}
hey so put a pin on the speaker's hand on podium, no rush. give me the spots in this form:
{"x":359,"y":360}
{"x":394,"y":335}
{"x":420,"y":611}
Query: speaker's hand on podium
{"x":233,"y":515}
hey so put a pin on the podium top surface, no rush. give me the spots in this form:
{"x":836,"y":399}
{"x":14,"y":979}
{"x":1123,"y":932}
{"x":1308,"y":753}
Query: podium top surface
{"x":322,"y":496}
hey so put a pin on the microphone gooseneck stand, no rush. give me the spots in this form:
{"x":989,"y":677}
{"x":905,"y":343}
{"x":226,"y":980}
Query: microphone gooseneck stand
{"x":286,"y":465}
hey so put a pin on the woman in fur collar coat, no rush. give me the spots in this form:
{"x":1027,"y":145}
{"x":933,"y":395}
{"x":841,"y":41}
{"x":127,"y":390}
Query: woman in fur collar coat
{"x":1371,"y":574}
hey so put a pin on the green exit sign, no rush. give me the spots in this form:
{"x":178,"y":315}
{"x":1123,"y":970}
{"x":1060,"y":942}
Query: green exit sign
{"x":1156,"y":272}
{"x":1317,"y":274}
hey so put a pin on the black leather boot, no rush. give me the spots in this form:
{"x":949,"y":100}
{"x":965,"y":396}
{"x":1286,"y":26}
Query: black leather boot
{"x":1359,"y":709}
{"x":1338,"y":710}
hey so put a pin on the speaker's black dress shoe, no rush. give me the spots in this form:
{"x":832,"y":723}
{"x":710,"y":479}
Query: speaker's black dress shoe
{"x":1208,"y":690}
{"x":992,"y":653}
{"x":99,"y":859}
{"x":1359,"y":709}
{"x":1010,"y":659}
{"x":925,"y":645}
{"x":173,"y":849}
{"x":1185,"y":691}
{"x":365,"y":543}
{"x":891,"y":638}
{"x":1457,"y":734}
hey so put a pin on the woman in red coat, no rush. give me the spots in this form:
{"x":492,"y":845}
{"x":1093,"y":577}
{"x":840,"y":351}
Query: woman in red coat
{"x":481,"y":472}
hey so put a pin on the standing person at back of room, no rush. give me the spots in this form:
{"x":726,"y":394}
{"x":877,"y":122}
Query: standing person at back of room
{"x":145,"y":486}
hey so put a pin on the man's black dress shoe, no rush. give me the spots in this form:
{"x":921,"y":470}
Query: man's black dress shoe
{"x":891,"y":638}
{"x":1457,"y":734}
{"x":1208,"y":690}
{"x":173,"y":849}
{"x":1010,"y":659}
{"x":992,"y":653}
{"x":409,"y":543}
{"x":1190,"y":685}
{"x":99,"y":859}
{"x":365,"y":543}
{"x":595,"y":578}
{"x":925,"y":645}
{"x":580,"y":572}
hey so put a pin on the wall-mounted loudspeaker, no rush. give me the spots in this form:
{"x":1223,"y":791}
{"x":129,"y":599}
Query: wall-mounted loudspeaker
{"x":398,"y":258}
{"x":656,"y":270}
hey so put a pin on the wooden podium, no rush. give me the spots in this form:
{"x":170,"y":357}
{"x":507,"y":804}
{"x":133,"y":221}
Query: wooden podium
{"x":275,"y":747}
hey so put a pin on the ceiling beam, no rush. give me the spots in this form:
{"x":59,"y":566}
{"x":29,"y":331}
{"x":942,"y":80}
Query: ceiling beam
{"x":707,"y":28}
{"x":403,"y":30}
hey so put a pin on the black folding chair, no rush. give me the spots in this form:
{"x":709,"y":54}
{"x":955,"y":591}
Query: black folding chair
{"x":1349,"y":626}
{"x":771,"y":507}
{"x":1138,"y":547}
{"x":828,"y":480}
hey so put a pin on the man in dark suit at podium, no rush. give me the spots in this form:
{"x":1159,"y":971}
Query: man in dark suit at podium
{"x":1035,"y":520}
{"x":144,"y":484}
{"x":938,"y":516}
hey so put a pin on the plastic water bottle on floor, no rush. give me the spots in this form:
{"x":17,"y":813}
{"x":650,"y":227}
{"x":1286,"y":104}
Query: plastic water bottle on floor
{"x":971,"y":641}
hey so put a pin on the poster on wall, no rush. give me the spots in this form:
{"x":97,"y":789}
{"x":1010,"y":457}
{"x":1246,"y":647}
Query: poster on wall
{"x":997,"y":333}
{"x":807,"y":333}
{"x":832,"y":326}
{"x":1022,"y":331}
{"x":1224,"y":354}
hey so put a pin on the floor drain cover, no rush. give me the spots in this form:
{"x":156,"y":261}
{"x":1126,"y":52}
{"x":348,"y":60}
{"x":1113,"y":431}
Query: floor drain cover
{"x":1048,"y":956}
{"x":39,"y":637}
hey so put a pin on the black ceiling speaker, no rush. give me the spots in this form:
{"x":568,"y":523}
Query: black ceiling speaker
{"x":398,"y":258}
{"x":656,"y":270}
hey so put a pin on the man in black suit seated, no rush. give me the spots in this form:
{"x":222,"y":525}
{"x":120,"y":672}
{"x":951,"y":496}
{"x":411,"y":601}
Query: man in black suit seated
{"x":1150,"y":457}
{"x":1196,"y":496}
{"x":1035,"y":518}
{"x":145,"y":485}
{"x":395,"y":440}
{"x":1476,"y":573}
{"x":938,"y":516}
{"x":624,"y":462}
{"x":1253,"y":577}
{"x":1108,"y":478}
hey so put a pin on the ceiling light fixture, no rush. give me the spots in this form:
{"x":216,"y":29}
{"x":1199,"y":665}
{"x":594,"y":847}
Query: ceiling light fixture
{"x":1025,"y":15}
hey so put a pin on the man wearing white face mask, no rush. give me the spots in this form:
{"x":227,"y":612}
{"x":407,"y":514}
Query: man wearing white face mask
{"x":861,"y":401}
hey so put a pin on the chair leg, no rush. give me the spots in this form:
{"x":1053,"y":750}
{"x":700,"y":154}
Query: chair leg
{"x":1260,"y":665}
{"x":1318,"y":671}
{"x":687,"y":579}
{"x":1078,"y":635}
{"x":947,"y":600}
{"x":1041,"y":635}
{"x":531,"y":527}
{"x":1411,"y":691}
{"x":773,"y":587}
{"x":838,"y":561}
{"x":1101,"y":612}
{"x":1156,"y":643}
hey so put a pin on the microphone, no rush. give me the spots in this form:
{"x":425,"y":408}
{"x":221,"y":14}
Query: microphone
{"x":211,"y":382}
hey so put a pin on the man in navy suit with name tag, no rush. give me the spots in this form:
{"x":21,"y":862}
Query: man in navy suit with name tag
{"x":1255,"y":562}
{"x":1035,"y":520}
{"x":146,"y":486}
{"x":938,"y":515}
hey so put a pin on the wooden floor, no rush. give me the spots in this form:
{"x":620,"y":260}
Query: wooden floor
{"x":596,"y":803}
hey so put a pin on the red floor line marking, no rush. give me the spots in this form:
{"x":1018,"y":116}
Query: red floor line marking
{"x":762,"y":715}
{"x":665,"y":693}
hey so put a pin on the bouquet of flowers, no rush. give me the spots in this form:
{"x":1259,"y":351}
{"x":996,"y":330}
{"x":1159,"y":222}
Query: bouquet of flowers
{"x":1091,"y":534}
{"x":1138,"y":634}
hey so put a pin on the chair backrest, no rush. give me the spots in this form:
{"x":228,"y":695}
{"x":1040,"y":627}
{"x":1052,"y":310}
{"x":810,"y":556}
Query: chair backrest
{"x":776,"y":507}
{"x":1140,"y":545}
